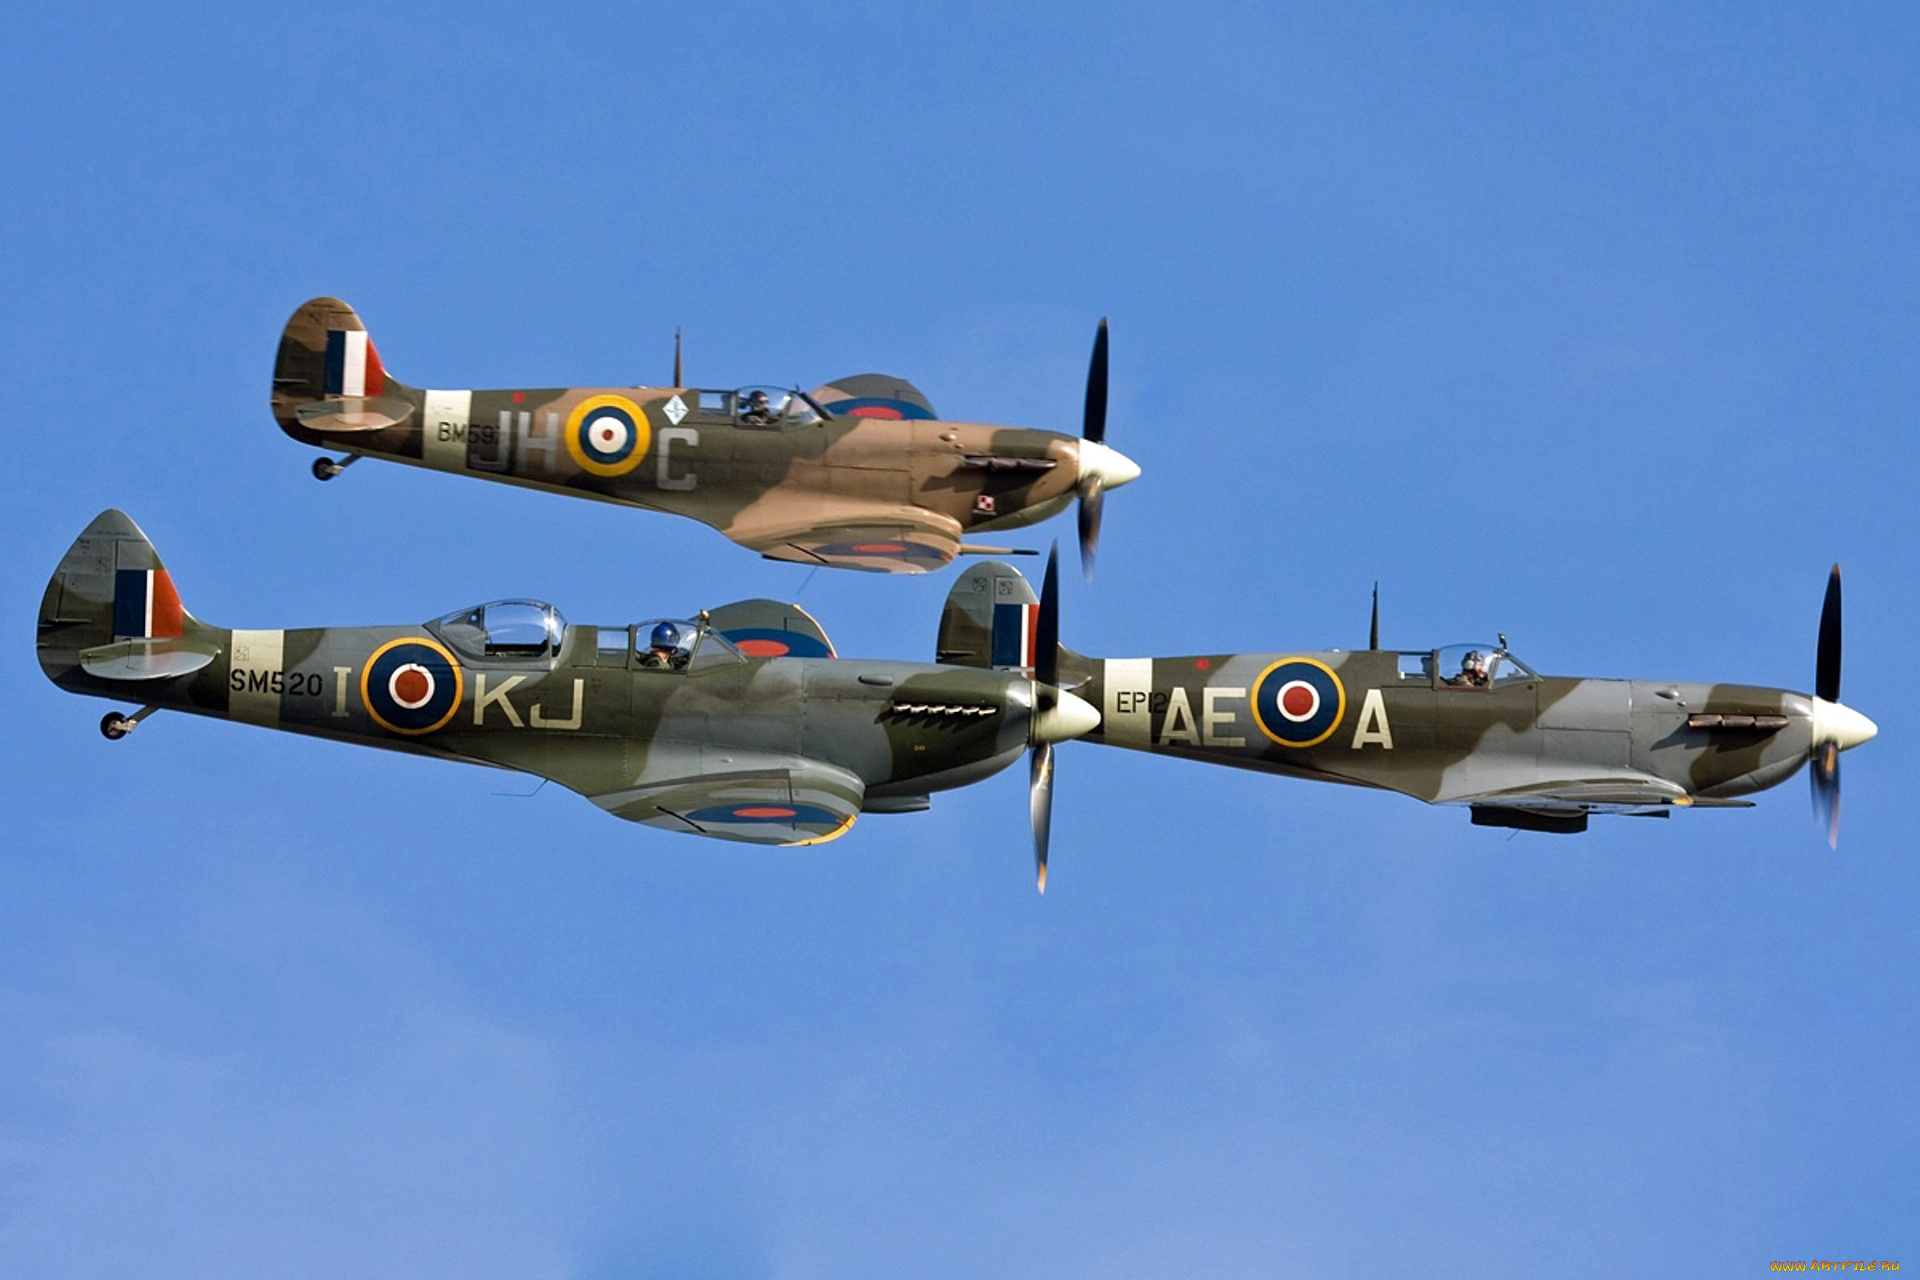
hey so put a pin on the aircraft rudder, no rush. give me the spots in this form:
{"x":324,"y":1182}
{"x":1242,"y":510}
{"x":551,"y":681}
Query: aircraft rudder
{"x":327,"y":365}
{"x":991,"y":619}
{"x":110,"y":585}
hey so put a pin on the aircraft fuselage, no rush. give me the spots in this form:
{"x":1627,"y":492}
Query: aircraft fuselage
{"x":1386,"y":719}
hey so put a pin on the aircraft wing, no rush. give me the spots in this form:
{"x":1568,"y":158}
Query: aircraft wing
{"x":758,"y":798}
{"x":872,"y":395}
{"x":884,"y":540}
{"x":771,"y":628}
{"x":1621,"y":792}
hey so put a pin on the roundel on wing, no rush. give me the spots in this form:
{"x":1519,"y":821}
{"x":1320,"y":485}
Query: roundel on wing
{"x":607,"y":435}
{"x":884,"y":407}
{"x":907,"y":552}
{"x":1298,"y":702}
{"x":795,"y":814}
{"x":411,"y":686}
{"x":771,"y":642}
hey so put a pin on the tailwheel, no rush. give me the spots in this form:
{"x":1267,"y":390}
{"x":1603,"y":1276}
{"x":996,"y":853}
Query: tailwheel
{"x":114,"y":726}
{"x":328,"y":468}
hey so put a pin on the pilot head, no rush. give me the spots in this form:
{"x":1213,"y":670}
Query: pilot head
{"x":1474,"y":663}
{"x":666,"y":638}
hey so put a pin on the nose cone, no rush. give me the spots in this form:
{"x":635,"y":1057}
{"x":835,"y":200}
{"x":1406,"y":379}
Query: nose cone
{"x":1069,"y":717}
{"x":1110,"y":466}
{"x":1841,"y":725}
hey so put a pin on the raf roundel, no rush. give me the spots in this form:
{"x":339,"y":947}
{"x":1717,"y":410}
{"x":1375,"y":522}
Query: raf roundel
{"x":607,"y":435}
{"x":411,"y":686}
{"x":1298,"y":702}
{"x":796,"y":814}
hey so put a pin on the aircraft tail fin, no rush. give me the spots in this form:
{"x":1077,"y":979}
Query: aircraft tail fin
{"x":111,"y":611}
{"x":992,"y":619}
{"x":328,"y":380}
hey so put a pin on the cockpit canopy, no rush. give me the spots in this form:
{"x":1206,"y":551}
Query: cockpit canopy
{"x":763,"y":408}
{"x":507,"y":628}
{"x":528,"y":629}
{"x":1465,"y":666}
{"x":673,"y":644}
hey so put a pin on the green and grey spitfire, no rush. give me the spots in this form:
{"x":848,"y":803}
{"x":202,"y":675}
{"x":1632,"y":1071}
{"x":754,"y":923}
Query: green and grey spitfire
{"x":739,"y":723}
{"x":1466,"y":724}
{"x":856,"y":474}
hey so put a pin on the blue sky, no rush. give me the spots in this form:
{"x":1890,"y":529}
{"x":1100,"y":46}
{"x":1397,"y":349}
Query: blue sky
{"x":1597,"y":329}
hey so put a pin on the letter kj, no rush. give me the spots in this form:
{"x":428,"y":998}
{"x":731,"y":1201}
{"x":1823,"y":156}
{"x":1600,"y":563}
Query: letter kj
{"x":411,"y":686}
{"x":1298,"y":702}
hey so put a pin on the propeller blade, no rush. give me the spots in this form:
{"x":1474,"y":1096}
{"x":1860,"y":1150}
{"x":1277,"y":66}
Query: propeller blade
{"x":1093,"y":500}
{"x":1046,"y":676}
{"x":1826,"y":678}
{"x":1046,"y":639}
{"x":1040,"y":809}
{"x":1093,"y":425}
{"x":1825,"y":777}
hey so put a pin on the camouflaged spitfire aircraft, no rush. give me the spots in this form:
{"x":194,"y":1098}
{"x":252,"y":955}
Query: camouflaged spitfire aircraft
{"x":856,"y":474}
{"x":1466,"y":724}
{"x":739,"y":723}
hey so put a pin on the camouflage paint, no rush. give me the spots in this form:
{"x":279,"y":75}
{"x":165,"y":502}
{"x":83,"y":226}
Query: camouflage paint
{"x":885,"y":493}
{"x":766,"y":749}
{"x":1537,"y":751}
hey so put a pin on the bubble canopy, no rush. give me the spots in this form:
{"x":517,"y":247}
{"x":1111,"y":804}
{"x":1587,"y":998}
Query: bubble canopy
{"x":1493,"y":660}
{"x":776,"y":408}
{"x":530,"y":629}
{"x":519,"y":628}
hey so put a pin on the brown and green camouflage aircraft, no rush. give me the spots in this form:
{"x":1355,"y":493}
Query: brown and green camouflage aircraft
{"x":856,"y":474}
{"x":739,"y":723}
{"x":1465,"y":724}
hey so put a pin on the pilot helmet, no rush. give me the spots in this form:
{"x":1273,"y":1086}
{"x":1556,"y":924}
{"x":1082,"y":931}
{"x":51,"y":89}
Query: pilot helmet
{"x":666,"y":636}
{"x":757,"y":399}
{"x":1474,"y":661}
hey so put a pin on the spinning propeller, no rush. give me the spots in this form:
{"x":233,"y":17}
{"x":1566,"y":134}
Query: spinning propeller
{"x":1835,"y":727}
{"x":1101,"y":468}
{"x":1057,"y":715}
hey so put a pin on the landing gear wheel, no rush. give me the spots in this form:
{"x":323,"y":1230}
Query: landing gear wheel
{"x":325,"y":468}
{"x":115,"y":726}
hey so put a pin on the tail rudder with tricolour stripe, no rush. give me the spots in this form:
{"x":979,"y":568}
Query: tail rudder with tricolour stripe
{"x":991,"y":619}
{"x":111,"y":612}
{"x":329,"y":380}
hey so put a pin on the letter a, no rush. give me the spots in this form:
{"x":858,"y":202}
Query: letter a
{"x":1178,"y":726}
{"x":1373,"y":726}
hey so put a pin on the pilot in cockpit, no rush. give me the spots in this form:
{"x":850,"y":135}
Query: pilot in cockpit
{"x":664,"y":648}
{"x":1473,"y":672}
{"x":758,"y":410}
